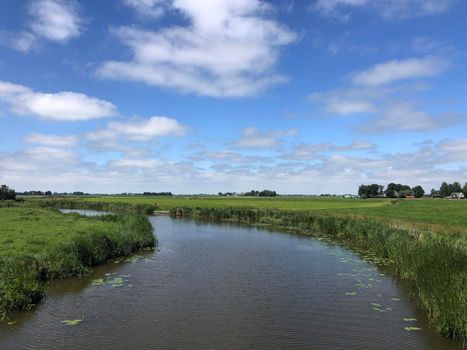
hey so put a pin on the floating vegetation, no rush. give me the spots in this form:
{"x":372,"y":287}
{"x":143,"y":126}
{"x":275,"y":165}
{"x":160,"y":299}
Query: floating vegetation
{"x":11,"y":323}
{"x":98,"y":282}
{"x":72,"y":322}
{"x":435,"y":263}
{"x":396,"y":299}
{"x":351,"y":293}
{"x":110,"y":280}
{"x":410,"y":319}
{"x":411,"y":329}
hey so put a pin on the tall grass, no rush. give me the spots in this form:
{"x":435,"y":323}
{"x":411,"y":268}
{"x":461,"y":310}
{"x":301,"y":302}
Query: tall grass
{"x":436,"y":265}
{"x":22,"y":276}
{"x":60,"y":203}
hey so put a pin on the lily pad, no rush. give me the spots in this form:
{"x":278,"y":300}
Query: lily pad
{"x":411,"y":319}
{"x":98,"y":282}
{"x":72,"y":322}
{"x":351,"y":293}
{"x":411,"y":329}
{"x":396,"y":299}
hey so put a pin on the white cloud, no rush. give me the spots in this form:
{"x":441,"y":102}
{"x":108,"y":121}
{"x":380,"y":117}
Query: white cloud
{"x":61,"y":106}
{"x":147,"y":8}
{"x":454,"y":150}
{"x":140,"y":130}
{"x":402,"y":116}
{"x":311,"y":152}
{"x":388,"y":9}
{"x":343,"y":103}
{"x":396,"y":70}
{"x":253,"y":138}
{"x":51,"y":140}
{"x":55,"y":20}
{"x":228,"y":49}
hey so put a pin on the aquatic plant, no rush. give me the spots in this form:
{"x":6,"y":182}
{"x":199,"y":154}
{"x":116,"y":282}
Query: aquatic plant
{"x":435,"y":264}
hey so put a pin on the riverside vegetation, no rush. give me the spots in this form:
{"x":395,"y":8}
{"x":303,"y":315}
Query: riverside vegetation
{"x":434,"y":264}
{"x":38,"y":244}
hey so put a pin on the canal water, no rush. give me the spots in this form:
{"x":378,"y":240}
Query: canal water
{"x":226,"y":286}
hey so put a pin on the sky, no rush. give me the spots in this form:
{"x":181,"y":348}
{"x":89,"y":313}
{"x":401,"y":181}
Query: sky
{"x":207,"y":96}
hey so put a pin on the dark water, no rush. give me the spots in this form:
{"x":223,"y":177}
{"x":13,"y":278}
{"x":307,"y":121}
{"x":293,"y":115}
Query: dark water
{"x":221,"y":286}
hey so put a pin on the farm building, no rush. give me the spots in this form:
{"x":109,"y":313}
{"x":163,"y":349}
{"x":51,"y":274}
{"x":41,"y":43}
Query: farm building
{"x":457,"y":195}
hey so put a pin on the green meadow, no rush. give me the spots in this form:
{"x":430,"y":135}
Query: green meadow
{"x":442,"y":213}
{"x":37,"y":244}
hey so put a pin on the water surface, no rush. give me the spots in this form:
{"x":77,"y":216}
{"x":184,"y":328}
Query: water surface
{"x":225,"y":286}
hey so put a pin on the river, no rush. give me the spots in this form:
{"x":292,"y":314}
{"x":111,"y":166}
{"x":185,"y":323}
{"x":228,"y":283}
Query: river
{"x":227,"y":286}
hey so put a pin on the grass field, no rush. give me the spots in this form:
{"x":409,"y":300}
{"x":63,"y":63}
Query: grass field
{"x":439,"y":212}
{"x":34,"y":230}
{"x":37,"y":244}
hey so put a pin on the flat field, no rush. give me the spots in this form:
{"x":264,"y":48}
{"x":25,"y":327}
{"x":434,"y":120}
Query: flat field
{"x":443,"y":213}
{"x":34,"y":230}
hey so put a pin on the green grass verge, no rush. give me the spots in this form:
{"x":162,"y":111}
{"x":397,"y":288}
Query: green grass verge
{"x":441,"y":214}
{"x":37,"y":244}
{"x":435,"y":264}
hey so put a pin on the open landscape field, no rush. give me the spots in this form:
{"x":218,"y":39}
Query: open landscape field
{"x":37,"y":244}
{"x":443,"y":213}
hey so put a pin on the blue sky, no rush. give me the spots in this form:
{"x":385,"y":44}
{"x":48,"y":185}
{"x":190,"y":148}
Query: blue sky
{"x":202,"y":96}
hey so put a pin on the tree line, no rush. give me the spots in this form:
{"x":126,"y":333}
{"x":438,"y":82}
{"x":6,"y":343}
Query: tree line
{"x":446,"y":190}
{"x":7,"y":193}
{"x":252,"y":193}
{"x":394,"y":190}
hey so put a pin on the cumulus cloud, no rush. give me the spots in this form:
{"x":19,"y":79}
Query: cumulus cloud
{"x":388,"y":9}
{"x":318,"y":151}
{"x":396,"y":70}
{"x":343,"y":102}
{"x":227,"y":49}
{"x":60,"y":106}
{"x":140,"y":130}
{"x":402,"y":116}
{"x":255,"y":139}
{"x":53,"y":20}
{"x":332,"y":172}
{"x":51,"y":140}
{"x":147,"y":8}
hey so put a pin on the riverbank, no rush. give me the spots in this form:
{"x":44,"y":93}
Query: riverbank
{"x":435,"y":264}
{"x":38,"y":244}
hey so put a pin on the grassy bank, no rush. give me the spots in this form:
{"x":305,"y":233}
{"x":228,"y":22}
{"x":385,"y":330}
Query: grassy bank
{"x":38,"y":244}
{"x":436,"y":265}
{"x":433,"y":214}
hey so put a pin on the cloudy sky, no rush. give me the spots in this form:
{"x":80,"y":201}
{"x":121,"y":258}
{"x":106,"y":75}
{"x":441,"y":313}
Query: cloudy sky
{"x":202,"y":96}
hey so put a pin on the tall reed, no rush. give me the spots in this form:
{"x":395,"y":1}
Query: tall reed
{"x":436,"y":265}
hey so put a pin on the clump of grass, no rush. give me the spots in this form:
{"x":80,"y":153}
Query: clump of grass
{"x":59,"y":245}
{"x":435,"y":264}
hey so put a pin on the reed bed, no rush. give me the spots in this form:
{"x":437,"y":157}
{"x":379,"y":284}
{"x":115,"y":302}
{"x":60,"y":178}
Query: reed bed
{"x":435,"y":264}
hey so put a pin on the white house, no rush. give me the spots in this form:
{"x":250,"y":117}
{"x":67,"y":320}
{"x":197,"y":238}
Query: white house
{"x":457,"y":195}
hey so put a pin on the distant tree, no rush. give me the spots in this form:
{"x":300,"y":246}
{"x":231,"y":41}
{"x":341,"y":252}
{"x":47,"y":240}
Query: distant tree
{"x":444,"y":190}
{"x":464,"y":190}
{"x":418,"y":191}
{"x":456,"y":187}
{"x":434,"y":193}
{"x":48,"y":193}
{"x":370,"y":191}
{"x":7,"y":193}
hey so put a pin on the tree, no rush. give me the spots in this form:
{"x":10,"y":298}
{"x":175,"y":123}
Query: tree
{"x":418,"y":191}
{"x":464,"y":190}
{"x":444,"y":190}
{"x":7,"y":193}
{"x":456,"y":187}
{"x":370,"y":191}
